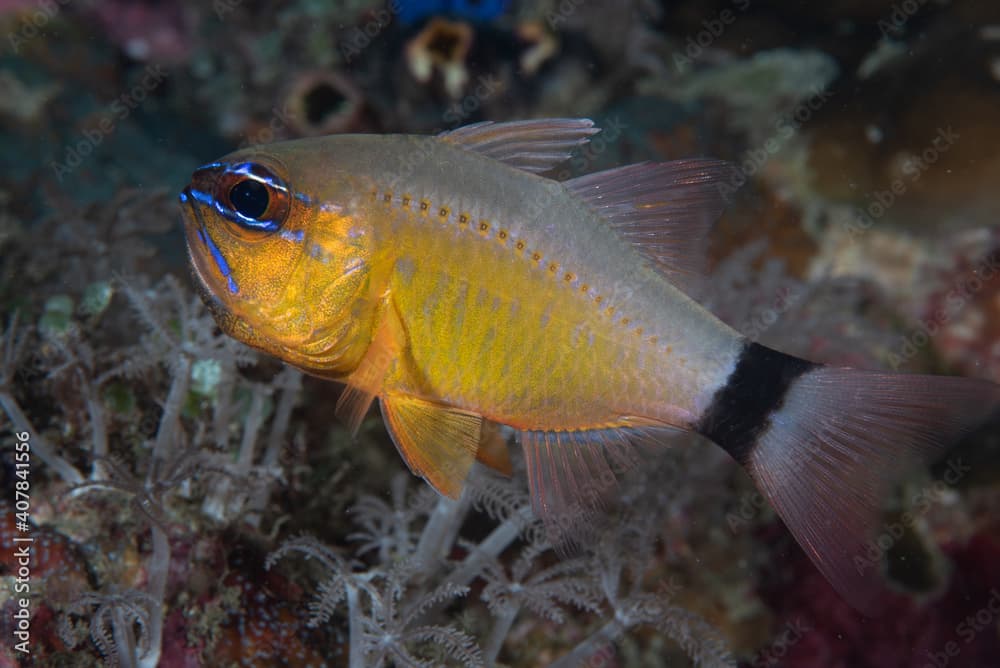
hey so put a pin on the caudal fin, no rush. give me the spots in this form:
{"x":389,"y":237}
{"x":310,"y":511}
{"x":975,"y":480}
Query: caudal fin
{"x":824,"y":444}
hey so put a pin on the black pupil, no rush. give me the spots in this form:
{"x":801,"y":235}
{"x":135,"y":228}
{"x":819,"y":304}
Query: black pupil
{"x":249,"y":198}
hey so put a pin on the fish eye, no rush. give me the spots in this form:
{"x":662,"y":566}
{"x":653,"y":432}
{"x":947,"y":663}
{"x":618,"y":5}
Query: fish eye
{"x":253,"y":197}
{"x":250,"y":198}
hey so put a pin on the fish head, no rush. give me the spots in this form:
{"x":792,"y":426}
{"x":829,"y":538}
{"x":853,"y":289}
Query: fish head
{"x":280,"y":263}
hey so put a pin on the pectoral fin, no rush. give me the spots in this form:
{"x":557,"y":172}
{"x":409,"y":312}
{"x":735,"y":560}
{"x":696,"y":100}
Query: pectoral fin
{"x":353,"y":405}
{"x":439,"y":443}
{"x":368,"y":379}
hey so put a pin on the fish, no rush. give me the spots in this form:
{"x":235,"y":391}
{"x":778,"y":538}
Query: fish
{"x":450,"y":279}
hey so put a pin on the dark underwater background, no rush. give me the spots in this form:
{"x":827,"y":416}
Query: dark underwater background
{"x":191,"y":502}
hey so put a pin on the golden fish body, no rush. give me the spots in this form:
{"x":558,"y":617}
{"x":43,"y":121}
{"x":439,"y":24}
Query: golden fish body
{"x":528,"y":309}
{"x":447,"y":278}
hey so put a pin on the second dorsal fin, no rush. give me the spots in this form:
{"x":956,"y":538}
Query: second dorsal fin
{"x":533,"y":146}
{"x":665,"y":210}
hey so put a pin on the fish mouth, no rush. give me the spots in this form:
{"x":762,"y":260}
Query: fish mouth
{"x":201,"y":248}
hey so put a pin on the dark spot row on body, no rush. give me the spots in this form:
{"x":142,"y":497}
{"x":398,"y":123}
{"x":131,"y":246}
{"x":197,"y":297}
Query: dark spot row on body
{"x":484,"y":227}
{"x":741,"y":410}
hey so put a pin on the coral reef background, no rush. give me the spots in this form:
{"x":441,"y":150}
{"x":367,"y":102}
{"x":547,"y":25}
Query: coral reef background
{"x":191,"y":502}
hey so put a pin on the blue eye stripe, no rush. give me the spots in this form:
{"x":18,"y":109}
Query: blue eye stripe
{"x":264,"y":225}
{"x":201,"y":196}
{"x":220,"y":262}
{"x":186,"y":196}
{"x":247,"y":169}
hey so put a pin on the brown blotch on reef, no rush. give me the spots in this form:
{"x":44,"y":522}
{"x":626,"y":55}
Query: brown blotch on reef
{"x":759,"y":213}
{"x":441,"y":46}
{"x":917,"y":146}
{"x":323,"y":102}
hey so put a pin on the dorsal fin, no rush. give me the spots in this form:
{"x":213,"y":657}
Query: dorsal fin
{"x":665,"y":210}
{"x":533,"y":146}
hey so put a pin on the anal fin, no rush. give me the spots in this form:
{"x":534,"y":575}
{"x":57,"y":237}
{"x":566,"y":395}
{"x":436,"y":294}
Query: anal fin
{"x":438,"y":442}
{"x":573,"y":474}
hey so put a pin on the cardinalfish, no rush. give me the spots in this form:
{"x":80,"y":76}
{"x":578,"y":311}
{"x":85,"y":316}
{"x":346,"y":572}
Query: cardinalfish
{"x":447,"y":277}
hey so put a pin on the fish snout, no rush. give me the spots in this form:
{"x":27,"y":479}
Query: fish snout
{"x":204,"y":178}
{"x":202,"y":185}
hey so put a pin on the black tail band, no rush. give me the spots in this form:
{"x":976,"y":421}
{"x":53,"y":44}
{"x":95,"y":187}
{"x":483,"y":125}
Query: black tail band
{"x":741,"y":410}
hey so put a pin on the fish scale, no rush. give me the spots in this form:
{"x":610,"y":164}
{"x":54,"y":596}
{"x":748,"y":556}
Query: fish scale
{"x":566,"y":238}
{"x":472,"y":359}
